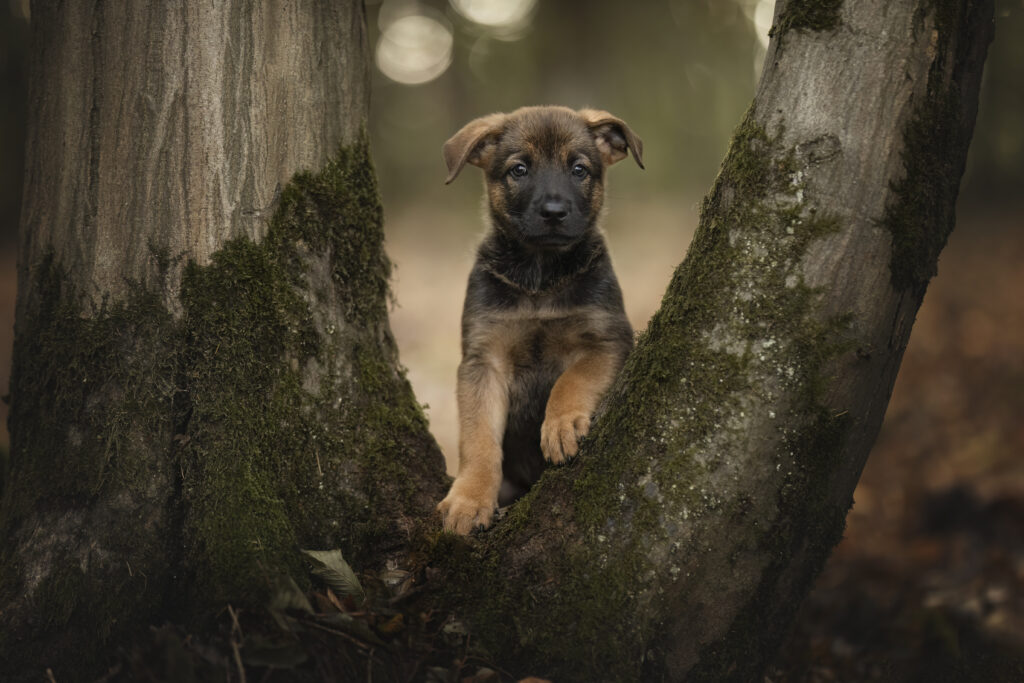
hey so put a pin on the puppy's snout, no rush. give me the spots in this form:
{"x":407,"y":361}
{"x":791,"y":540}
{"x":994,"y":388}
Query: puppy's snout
{"x":554,"y":209}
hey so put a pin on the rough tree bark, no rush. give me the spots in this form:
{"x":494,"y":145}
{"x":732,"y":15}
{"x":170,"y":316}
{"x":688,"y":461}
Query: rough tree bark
{"x":680,"y":542}
{"x":209,"y":396}
{"x":204,"y":378}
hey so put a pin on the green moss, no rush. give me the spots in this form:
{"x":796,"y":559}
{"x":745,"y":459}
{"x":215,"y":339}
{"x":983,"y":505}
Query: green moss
{"x":754,"y":194}
{"x":918,"y":217}
{"x":300,"y":429}
{"x":92,"y":395}
{"x":338,"y":212}
{"x":811,"y":450}
{"x":120,"y":352}
{"x":808,"y":15}
{"x":922,"y":211}
{"x":270,"y":416}
{"x":811,"y":529}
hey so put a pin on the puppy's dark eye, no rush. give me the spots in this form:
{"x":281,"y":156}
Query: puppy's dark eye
{"x":518,"y":171}
{"x":580,"y":171}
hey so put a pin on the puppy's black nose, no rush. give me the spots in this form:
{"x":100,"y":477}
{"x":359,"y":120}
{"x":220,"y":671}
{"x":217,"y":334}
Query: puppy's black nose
{"x":554,"y":210}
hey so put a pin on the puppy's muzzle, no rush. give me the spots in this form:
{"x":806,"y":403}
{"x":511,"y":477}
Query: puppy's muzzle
{"x":554,"y":210}
{"x":555,"y":223}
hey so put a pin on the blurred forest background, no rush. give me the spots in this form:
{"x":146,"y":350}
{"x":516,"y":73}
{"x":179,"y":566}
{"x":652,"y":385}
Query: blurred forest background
{"x":929,"y":581}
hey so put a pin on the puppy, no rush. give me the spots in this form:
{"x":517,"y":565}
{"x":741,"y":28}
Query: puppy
{"x":543,"y":327}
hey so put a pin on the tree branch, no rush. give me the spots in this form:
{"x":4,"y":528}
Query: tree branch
{"x":716,"y":482}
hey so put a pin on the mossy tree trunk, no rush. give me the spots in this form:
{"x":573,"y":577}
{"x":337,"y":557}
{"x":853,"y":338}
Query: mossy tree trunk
{"x":204,"y":379}
{"x":680,"y":542}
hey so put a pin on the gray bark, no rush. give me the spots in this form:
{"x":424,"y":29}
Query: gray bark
{"x":202,"y":347}
{"x":171,"y":126}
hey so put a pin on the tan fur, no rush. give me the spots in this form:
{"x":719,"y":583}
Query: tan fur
{"x":573,"y":400}
{"x":493,"y":346}
{"x":482,"y":395}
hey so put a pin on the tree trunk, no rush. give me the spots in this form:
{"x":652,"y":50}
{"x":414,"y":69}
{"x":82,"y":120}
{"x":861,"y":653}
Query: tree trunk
{"x":199,"y":389}
{"x":204,"y":378}
{"x":680,"y":542}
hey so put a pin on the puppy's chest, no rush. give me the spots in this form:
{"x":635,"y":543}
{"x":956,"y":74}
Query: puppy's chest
{"x":526,"y":343}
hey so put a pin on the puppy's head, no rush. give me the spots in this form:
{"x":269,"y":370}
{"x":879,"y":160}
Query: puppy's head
{"x":544,"y":168}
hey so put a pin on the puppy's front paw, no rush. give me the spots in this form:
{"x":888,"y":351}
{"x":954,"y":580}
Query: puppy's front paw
{"x":560,"y":434}
{"x":463,"y":511}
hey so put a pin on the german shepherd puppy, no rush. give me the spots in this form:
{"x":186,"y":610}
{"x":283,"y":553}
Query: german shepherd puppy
{"x":543,"y":328}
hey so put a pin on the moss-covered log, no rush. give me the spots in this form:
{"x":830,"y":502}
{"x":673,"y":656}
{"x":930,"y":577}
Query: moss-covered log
{"x":680,"y":542}
{"x":204,"y":376}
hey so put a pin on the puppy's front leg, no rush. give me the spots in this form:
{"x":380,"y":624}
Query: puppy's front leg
{"x":572,"y":402}
{"x":483,"y":411}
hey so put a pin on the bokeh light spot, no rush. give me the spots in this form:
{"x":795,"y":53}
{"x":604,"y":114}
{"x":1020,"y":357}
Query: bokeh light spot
{"x":414,"y":49}
{"x":495,"y":13}
{"x":764,"y":11}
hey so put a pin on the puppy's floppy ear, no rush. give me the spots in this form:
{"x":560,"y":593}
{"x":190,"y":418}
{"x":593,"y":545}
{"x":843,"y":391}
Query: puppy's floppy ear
{"x":613,"y":137}
{"x":473,"y":144}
